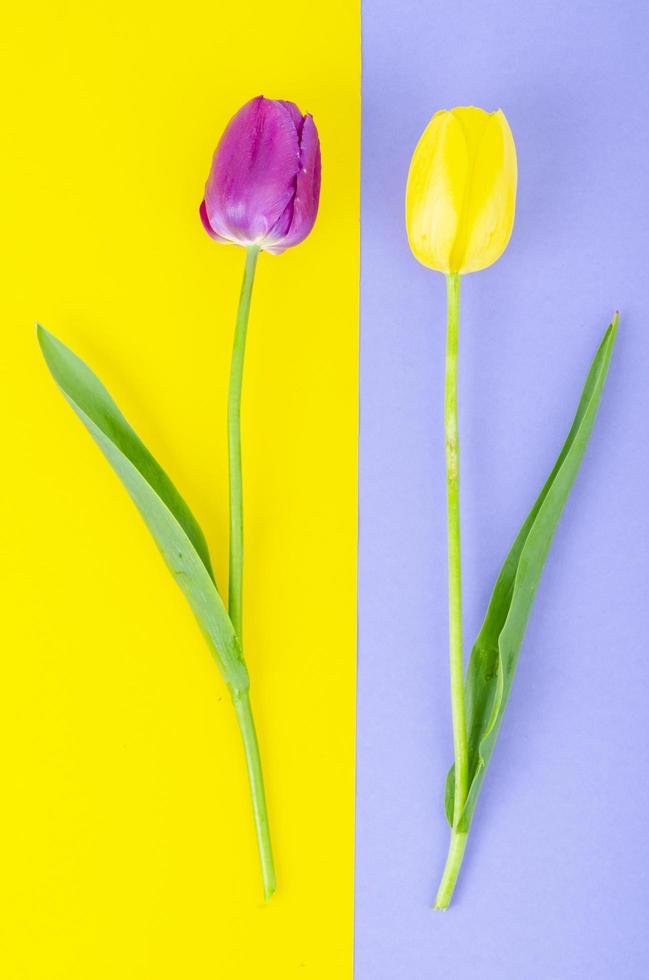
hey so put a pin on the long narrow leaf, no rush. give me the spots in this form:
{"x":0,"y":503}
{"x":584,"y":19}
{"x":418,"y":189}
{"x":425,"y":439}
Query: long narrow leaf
{"x":174,"y":528}
{"x":494,"y":656}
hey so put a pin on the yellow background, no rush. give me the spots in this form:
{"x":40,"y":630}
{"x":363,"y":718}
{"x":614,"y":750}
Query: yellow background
{"x":127,"y":841}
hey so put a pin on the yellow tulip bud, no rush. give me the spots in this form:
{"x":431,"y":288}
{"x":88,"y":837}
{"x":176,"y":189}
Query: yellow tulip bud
{"x":461,"y":192}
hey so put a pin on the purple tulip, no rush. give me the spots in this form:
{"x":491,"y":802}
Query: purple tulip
{"x":264,"y":185}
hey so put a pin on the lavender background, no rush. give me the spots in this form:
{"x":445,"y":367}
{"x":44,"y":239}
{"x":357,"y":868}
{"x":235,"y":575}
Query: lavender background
{"x":556,"y":881}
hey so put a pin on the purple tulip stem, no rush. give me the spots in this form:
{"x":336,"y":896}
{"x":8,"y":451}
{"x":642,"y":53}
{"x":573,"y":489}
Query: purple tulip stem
{"x":253,"y":763}
{"x":235,"y":590}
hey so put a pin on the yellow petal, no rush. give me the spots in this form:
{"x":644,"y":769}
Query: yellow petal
{"x":435,"y":191}
{"x":461,"y":191}
{"x":490,"y":198}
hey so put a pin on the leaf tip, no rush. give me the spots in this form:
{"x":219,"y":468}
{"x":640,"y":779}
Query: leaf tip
{"x":610,"y":334}
{"x":42,"y":335}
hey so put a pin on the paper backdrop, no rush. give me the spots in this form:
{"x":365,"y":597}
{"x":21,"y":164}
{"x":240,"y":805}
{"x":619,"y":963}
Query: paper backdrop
{"x":127,"y":840}
{"x":555,"y":881}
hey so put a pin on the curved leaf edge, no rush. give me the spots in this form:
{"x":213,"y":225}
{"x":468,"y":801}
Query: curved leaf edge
{"x":115,"y":427}
{"x":584,"y":417}
{"x":227,"y":653}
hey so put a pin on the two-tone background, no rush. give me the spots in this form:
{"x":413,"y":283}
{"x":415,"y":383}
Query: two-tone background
{"x":126,"y":845}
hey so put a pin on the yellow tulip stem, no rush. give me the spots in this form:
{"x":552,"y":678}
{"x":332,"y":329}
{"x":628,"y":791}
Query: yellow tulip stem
{"x":456,"y":850}
{"x":451,"y":870}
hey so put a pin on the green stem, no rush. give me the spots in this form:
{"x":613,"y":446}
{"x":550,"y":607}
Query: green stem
{"x":241,"y":699}
{"x":460,"y":750}
{"x":235,"y":589}
{"x":454,"y":560}
{"x":451,"y":870}
{"x":246,"y":724}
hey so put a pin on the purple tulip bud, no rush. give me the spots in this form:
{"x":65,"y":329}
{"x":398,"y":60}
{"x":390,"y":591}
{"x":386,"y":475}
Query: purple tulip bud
{"x":264,"y":185}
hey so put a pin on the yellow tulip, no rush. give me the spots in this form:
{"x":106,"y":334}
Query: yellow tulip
{"x":460,"y":204}
{"x":461,"y":192}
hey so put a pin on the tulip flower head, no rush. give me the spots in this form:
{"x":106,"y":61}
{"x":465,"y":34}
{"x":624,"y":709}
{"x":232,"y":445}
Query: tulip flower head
{"x":461,"y":192}
{"x":264,"y":185}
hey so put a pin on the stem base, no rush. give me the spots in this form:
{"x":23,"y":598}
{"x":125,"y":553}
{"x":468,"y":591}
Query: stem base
{"x":451,"y":870}
{"x":242,"y":707}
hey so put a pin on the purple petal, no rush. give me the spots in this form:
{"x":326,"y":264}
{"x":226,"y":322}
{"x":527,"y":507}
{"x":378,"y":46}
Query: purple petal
{"x":307,"y":192}
{"x":252,"y":180}
{"x":207,"y":226}
{"x":294,"y":113}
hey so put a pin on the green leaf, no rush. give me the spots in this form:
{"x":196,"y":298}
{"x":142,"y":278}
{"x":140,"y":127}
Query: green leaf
{"x":494,"y":656}
{"x":174,"y":528}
